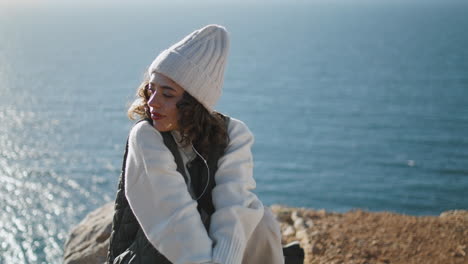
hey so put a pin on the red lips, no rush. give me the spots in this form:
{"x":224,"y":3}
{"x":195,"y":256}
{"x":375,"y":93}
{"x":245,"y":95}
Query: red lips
{"x":156,"y":116}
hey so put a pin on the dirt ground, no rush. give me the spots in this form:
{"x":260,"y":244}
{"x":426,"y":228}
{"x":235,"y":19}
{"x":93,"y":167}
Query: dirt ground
{"x":359,"y":237}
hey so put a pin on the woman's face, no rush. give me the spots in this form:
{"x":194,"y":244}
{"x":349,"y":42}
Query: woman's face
{"x":164,"y":94}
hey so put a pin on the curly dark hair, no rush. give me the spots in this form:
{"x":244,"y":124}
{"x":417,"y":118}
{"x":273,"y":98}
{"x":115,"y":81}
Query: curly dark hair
{"x":197,"y":125}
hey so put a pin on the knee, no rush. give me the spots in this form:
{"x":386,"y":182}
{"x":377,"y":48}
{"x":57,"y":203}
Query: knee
{"x":269,"y":224}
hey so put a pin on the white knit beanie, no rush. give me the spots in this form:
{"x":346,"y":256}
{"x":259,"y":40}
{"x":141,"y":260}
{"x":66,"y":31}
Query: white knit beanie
{"x":197,"y":63}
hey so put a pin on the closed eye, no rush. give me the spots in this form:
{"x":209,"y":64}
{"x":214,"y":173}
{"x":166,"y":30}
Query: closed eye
{"x":167,"y":91}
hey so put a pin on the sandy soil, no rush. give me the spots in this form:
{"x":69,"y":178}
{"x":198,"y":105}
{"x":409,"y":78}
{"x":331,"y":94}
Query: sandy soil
{"x":382,"y":238}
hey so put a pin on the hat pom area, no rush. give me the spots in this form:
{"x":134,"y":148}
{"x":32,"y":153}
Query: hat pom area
{"x":197,"y":63}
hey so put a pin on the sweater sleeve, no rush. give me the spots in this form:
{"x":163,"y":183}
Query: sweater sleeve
{"x":158,"y":197}
{"x":237,"y":210}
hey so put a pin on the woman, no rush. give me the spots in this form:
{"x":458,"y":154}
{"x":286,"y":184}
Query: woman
{"x":185,"y":193}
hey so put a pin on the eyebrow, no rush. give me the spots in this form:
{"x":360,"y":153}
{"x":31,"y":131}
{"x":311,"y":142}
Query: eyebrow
{"x":164,"y":86}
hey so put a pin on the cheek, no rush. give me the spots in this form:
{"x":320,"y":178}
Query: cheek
{"x":174,"y":112}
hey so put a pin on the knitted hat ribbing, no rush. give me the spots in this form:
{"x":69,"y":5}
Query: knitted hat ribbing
{"x":197,"y":63}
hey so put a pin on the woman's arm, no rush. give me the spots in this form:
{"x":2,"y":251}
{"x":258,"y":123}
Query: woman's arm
{"x":237,"y":209}
{"x":159,"y":198}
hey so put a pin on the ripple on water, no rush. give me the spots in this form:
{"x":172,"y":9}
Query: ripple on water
{"x":39,"y":195}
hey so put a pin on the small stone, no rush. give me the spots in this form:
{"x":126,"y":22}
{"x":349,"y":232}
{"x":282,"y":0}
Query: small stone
{"x":315,"y":233}
{"x":317,"y":249}
{"x":301,"y":234}
{"x":309,"y":223}
{"x":299,"y":223}
{"x":294,"y":215}
{"x":289,"y":231}
{"x":460,"y":252}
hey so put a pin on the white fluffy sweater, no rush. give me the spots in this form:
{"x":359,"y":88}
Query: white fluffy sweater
{"x":158,"y":196}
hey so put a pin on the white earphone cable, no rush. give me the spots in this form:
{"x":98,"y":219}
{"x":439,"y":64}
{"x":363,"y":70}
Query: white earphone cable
{"x":208,"y":168}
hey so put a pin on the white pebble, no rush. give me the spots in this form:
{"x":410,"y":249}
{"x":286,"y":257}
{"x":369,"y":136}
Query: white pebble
{"x":299,"y":223}
{"x":289,"y":231}
{"x":301,"y":234}
{"x":294,"y":215}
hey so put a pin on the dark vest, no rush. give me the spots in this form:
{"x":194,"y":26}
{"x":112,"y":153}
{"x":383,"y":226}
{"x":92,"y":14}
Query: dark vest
{"x":128,"y":243}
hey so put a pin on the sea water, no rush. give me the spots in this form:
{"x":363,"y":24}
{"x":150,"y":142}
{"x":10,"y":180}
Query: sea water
{"x":353,"y":105}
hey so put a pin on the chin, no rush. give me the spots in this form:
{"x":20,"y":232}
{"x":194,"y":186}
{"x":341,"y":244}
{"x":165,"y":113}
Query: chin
{"x":162,"y":127}
{"x":159,"y":128}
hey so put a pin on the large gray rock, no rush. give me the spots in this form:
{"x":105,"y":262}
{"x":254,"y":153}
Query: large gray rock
{"x":89,"y":240}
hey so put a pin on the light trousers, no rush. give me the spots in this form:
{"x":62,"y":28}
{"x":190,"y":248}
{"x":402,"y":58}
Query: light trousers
{"x":264,"y":246}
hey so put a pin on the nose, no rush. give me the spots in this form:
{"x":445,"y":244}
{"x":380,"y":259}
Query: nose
{"x":153,"y":101}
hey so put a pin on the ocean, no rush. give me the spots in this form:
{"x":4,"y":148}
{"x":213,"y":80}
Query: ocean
{"x":352,"y":104}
